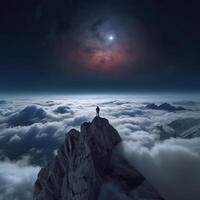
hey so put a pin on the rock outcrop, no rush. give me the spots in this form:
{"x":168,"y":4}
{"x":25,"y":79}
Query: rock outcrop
{"x":84,"y":163}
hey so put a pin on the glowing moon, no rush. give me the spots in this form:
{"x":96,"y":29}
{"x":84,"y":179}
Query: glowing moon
{"x":111,"y":37}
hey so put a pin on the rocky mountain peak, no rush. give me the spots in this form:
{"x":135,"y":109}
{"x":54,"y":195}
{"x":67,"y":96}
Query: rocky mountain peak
{"x":84,"y":163}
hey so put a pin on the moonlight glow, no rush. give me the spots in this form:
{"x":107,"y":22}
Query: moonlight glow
{"x":111,"y":37}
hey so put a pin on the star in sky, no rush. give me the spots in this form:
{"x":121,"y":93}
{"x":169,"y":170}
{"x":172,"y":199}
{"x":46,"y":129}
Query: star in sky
{"x":111,"y":37}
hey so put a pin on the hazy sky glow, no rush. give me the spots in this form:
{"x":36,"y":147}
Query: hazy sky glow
{"x":92,"y":44}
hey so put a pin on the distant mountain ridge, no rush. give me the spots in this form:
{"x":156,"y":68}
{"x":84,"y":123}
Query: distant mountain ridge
{"x":182,"y":128}
{"x":164,"y":106}
{"x":85,"y":162}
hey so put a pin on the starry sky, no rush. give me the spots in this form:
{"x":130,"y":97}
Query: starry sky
{"x":113,"y":45}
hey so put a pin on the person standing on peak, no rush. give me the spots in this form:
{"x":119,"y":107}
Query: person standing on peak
{"x":97,"y":111}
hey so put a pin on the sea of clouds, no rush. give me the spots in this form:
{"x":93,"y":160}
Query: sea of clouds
{"x":164,"y":146}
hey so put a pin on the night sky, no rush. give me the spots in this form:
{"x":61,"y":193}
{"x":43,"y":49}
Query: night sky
{"x":113,"y":45}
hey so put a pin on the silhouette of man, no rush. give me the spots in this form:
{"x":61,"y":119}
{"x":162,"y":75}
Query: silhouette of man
{"x":97,"y":110}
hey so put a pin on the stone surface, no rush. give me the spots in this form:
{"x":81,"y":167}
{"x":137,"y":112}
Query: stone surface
{"x":84,"y":163}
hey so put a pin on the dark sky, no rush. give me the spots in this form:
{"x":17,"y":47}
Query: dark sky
{"x":58,"y":45}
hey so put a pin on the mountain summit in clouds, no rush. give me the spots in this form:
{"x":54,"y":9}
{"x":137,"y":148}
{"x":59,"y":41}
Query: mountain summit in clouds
{"x":88,"y":167}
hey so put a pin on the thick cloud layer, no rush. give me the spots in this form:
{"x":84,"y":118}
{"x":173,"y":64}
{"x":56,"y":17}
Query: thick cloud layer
{"x":153,"y":140}
{"x":171,"y":166}
{"x":16,"y":180}
{"x":29,"y":115}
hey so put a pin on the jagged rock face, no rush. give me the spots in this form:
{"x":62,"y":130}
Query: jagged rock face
{"x":78,"y":169}
{"x":103,"y":138}
{"x":84,"y":163}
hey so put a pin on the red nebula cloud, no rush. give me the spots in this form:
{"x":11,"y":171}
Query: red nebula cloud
{"x":110,"y":59}
{"x":92,"y":55}
{"x":88,"y":48}
{"x":103,"y":60}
